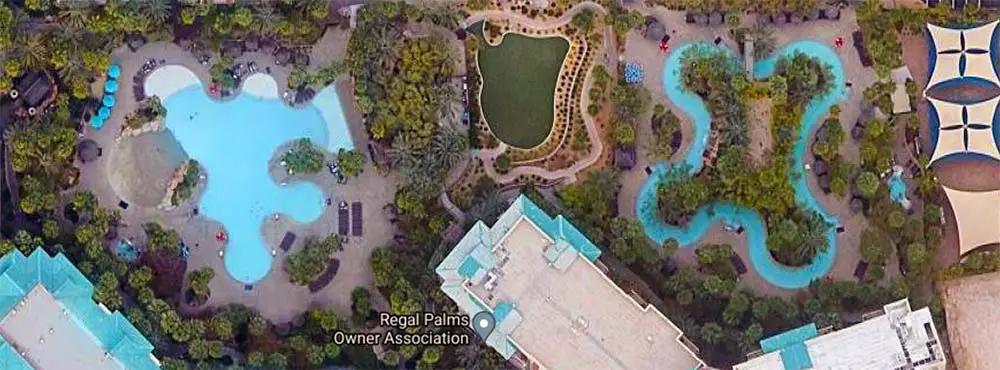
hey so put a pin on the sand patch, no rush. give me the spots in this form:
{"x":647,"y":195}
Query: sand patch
{"x":168,"y":80}
{"x":261,"y":86}
{"x":141,"y":167}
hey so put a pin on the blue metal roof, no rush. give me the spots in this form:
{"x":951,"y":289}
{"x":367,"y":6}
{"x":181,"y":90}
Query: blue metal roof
{"x":468,"y":268}
{"x":112,"y":331}
{"x":791,"y":344}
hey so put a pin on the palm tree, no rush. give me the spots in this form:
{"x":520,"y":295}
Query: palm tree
{"x":813,"y":239}
{"x":487,"y":207}
{"x":158,"y":11}
{"x":468,"y":355}
{"x":75,"y":16}
{"x":403,"y":155}
{"x":266,"y":18}
{"x":447,"y":148}
{"x":32,"y":50}
{"x":442,"y":98}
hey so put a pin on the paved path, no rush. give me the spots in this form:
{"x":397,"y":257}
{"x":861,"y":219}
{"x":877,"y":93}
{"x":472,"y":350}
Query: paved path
{"x":596,"y":143}
{"x":451,"y":207}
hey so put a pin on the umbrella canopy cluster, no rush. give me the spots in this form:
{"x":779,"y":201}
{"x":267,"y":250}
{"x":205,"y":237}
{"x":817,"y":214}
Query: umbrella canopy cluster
{"x":633,"y":73}
{"x":110,"y":87}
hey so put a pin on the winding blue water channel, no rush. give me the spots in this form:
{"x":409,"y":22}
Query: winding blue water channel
{"x":729,"y":213}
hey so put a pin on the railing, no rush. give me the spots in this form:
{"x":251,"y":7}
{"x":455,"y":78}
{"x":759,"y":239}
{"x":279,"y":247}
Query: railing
{"x":689,"y":344}
{"x":638,"y":298}
{"x":871,"y":315}
{"x":826,"y":330}
{"x":519,"y":361}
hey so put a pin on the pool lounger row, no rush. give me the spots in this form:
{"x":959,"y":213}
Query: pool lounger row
{"x":343,"y":222}
{"x":356,"y":227}
{"x":287,"y":241}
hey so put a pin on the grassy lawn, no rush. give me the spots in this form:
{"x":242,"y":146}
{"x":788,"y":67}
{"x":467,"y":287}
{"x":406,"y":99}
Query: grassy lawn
{"x":519,"y":84}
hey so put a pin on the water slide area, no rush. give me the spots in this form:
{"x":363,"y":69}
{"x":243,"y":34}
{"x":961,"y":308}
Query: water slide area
{"x":729,"y":213}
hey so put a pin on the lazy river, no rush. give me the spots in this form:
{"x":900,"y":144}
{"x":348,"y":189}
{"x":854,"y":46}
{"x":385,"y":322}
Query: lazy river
{"x":729,"y":213}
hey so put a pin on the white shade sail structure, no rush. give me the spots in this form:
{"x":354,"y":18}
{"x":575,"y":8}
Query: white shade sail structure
{"x":977,"y":215}
{"x":964,"y":128}
{"x":962,"y":53}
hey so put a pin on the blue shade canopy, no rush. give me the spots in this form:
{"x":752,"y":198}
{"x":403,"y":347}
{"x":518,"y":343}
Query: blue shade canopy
{"x":109,"y":101}
{"x":96,"y":122}
{"x":114,"y":71}
{"x":111,"y":86}
{"x":104,"y":113}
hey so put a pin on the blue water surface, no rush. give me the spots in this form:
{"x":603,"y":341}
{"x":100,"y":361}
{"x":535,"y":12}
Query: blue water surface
{"x":234,"y":141}
{"x":706,"y":216}
{"x":897,"y":188}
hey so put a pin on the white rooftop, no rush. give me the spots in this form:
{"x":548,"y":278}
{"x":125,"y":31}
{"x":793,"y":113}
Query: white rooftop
{"x":51,"y":339}
{"x":897,"y":339}
{"x":571,"y":316}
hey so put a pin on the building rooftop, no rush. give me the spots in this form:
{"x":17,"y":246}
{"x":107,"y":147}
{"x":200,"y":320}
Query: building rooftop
{"x":50,"y":320}
{"x":552,"y":304}
{"x":970,"y":305}
{"x":897,"y":338}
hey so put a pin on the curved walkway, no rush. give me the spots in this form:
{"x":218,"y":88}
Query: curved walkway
{"x":773,"y":272}
{"x":596,"y":144}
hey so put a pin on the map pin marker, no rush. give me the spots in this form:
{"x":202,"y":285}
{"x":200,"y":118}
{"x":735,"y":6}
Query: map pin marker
{"x":483,"y":323}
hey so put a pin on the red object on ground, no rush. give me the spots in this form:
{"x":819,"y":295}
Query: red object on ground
{"x":839,"y":42}
{"x":664,"y":47}
{"x":221,"y":236}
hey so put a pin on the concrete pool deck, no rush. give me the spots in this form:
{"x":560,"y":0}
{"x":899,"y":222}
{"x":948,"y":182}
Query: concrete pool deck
{"x":276,"y":298}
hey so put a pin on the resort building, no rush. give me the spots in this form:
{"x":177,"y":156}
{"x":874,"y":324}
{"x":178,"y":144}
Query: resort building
{"x":970,"y":305}
{"x":554,"y":306}
{"x":977,"y":217}
{"x":32,"y":92}
{"x":51,"y":322}
{"x":893,"y":338}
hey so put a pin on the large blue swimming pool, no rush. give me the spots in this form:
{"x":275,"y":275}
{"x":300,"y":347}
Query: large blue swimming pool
{"x":234,"y":142}
{"x":707,"y":215}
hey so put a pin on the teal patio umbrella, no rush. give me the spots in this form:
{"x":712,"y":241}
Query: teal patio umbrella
{"x":104,"y":113}
{"x":96,"y":122}
{"x":111,"y":86}
{"x":114,"y":71}
{"x":109,"y":101}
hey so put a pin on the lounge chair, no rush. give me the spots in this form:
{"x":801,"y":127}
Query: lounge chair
{"x":356,"y":226}
{"x":861,"y":270}
{"x":323,"y":280}
{"x":342,"y":219}
{"x":737,"y":262}
{"x":287,"y":241}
